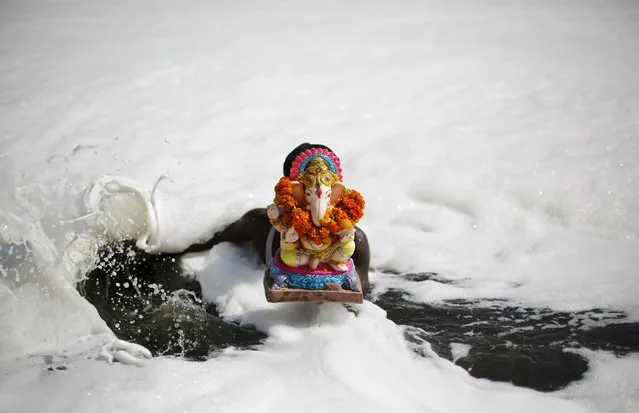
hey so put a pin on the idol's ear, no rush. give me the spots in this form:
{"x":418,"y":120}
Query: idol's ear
{"x":298,"y":193}
{"x":337,"y":192}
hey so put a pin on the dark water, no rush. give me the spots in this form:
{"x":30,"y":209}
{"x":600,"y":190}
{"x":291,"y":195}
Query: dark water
{"x":528,"y":347}
{"x":147,"y":299}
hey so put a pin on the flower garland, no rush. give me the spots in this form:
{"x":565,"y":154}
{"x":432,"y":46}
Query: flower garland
{"x":348,"y":210}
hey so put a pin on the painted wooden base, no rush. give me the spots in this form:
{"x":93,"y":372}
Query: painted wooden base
{"x":335,"y":294}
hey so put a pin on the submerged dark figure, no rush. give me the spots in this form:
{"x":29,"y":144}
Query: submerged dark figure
{"x":255,"y":227}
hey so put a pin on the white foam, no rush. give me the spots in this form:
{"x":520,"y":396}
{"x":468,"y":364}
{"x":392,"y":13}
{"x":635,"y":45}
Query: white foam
{"x":459,"y":350}
{"x":495,"y":145}
{"x":610,"y":384}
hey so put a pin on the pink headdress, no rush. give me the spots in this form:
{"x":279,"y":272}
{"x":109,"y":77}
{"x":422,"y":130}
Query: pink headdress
{"x":303,"y":159}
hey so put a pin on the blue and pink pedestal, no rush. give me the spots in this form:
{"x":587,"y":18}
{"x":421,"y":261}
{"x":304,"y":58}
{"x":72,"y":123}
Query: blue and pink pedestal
{"x":302,"y":284}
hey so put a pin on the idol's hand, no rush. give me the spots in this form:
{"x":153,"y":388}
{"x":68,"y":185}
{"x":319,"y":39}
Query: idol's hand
{"x":291,"y":235}
{"x":273,"y":211}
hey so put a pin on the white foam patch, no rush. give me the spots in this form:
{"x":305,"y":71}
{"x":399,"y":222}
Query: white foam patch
{"x":459,"y":350}
{"x":495,"y":145}
{"x":610,"y":384}
{"x":41,"y":306}
{"x":561,"y":270}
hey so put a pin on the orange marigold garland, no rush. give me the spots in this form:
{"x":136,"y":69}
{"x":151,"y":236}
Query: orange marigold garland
{"x":352,"y":203}
{"x":350,"y":207}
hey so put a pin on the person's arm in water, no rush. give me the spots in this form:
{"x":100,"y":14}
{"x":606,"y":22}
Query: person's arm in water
{"x":254,"y":227}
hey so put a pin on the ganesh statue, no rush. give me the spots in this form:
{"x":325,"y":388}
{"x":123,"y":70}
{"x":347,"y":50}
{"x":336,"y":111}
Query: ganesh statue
{"x":315,"y":215}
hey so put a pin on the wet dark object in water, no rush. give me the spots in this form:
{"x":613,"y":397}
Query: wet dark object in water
{"x":528,"y":347}
{"x":147,"y":299}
